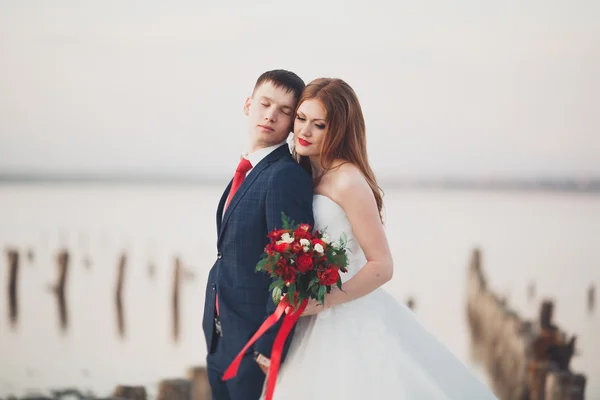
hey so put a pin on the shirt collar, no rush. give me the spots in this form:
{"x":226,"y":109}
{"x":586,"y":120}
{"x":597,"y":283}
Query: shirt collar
{"x":260,"y":154}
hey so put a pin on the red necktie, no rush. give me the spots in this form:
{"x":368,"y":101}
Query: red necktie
{"x":240,"y":173}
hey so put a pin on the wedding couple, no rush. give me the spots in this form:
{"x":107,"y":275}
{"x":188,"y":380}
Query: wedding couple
{"x":362,"y":343}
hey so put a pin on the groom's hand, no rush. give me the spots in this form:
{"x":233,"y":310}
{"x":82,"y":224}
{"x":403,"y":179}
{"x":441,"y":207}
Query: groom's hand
{"x":263,"y":362}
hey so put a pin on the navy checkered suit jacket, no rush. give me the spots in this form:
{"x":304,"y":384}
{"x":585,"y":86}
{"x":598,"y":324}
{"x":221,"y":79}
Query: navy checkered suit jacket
{"x":276,"y":184}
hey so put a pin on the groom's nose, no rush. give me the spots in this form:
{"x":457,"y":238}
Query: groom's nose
{"x":270,"y":115}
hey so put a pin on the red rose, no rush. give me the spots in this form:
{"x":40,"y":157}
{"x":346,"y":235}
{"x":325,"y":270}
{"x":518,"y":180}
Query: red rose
{"x":329,"y":276}
{"x":289,"y":275}
{"x":296,"y":247}
{"x":275,"y":235}
{"x":282,"y":247}
{"x":304,"y":263}
{"x":302,"y":232}
{"x":320,"y":260}
{"x":281,"y":266}
{"x":299,"y":234}
{"x":270,"y":250}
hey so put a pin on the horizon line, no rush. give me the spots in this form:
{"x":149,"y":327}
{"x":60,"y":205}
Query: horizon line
{"x":448,"y":182}
{"x":201,"y":176}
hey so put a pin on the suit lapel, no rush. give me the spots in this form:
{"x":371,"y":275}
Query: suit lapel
{"x":247,"y":183}
{"x":222,"y":205}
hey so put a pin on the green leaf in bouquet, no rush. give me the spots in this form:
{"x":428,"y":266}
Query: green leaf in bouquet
{"x":339,"y":283}
{"x":276,"y":295}
{"x":321,"y":292}
{"x":291,"y":294}
{"x":261,"y":266}
{"x":279,"y":283}
{"x":343,"y":240}
{"x":340,"y":259}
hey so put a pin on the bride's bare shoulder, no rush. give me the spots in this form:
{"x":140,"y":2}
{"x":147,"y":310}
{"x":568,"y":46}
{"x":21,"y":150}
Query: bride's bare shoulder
{"x":345,"y":181}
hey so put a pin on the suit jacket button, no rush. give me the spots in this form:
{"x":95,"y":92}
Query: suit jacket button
{"x":219,"y":255}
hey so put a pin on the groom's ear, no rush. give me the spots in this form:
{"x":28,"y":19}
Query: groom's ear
{"x":247,"y":105}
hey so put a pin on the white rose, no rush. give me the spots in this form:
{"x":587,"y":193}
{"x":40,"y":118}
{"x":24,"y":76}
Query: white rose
{"x":287,"y":238}
{"x":304,"y":242}
{"x":305,"y":248}
{"x":319,"y":248}
{"x":325,"y":239}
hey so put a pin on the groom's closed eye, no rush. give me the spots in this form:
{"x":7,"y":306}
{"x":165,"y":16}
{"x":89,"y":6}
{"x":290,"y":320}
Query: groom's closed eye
{"x":287,"y":111}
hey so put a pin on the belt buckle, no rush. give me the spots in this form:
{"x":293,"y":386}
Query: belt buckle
{"x":218,"y":326}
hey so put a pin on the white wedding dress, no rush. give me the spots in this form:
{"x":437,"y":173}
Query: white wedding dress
{"x":370,"y":348}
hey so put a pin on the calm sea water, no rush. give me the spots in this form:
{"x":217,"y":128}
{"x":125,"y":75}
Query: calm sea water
{"x":550,"y":239}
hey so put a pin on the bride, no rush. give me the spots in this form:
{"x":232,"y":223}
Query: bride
{"x":362,"y":343}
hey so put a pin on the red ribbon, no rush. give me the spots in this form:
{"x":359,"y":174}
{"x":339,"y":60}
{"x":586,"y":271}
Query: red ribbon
{"x":277,"y":351}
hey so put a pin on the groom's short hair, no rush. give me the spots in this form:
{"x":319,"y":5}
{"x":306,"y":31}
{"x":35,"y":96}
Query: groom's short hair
{"x":281,"y":78}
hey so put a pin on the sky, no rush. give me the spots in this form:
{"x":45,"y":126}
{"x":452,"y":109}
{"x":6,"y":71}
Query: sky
{"x":448,"y":88}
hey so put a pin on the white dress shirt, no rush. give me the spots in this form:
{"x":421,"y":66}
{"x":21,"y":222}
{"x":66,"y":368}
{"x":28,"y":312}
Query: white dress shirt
{"x":260,"y":154}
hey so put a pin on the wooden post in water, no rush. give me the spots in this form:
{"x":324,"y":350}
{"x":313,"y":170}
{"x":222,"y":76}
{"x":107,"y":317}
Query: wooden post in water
{"x":563,"y":385}
{"x":524,"y":359}
{"x":151,"y":270}
{"x":30,"y":255}
{"x":546,"y":314}
{"x":175,"y":389}
{"x":591,"y":298}
{"x":531,"y":291}
{"x":13,"y":275}
{"x":200,"y":385}
{"x":175,"y":297}
{"x":476,"y":261}
{"x":130,"y":392}
{"x":538,"y":372}
{"x":119,"y":294}
{"x":62,"y":260}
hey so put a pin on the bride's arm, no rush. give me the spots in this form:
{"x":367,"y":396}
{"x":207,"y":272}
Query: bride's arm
{"x":355,"y":196}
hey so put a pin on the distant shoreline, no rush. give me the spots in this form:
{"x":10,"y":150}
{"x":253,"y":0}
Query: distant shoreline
{"x":590,"y":186}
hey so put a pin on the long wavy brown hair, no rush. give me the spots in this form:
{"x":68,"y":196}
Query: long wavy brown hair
{"x":346,"y":137}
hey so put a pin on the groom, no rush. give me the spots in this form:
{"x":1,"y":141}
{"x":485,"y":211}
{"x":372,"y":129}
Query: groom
{"x":266,"y":182}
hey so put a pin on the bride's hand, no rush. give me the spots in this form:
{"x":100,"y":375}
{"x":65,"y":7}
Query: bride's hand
{"x":313,"y":307}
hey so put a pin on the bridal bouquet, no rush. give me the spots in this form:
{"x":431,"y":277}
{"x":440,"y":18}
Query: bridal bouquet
{"x":308,"y":265}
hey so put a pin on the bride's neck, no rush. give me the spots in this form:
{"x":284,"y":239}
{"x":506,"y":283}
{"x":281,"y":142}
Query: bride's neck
{"x":315,"y":165}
